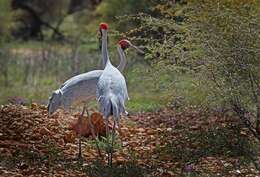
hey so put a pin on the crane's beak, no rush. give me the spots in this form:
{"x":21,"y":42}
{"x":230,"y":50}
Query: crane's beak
{"x":136,"y":48}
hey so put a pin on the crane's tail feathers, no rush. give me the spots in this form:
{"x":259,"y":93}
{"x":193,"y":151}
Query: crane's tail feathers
{"x":112,"y":105}
{"x":122,"y":107}
{"x":54,"y":101}
{"x":115,"y":110}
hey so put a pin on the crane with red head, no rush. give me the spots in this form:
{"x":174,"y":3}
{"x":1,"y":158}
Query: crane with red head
{"x":112,"y":92}
{"x":82,"y":87}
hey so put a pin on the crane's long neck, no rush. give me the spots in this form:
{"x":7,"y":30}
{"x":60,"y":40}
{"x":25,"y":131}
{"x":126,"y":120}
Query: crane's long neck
{"x":105,"y":56}
{"x":122,"y":56}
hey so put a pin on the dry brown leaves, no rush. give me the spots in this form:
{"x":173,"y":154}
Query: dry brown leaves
{"x":26,"y":130}
{"x":23,"y":129}
{"x":83,"y":126}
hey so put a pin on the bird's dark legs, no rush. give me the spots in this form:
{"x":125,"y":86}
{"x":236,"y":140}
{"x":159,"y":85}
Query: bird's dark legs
{"x":80,"y":128}
{"x":112,"y":144}
{"x":79,"y":145}
{"x":93,"y":133}
{"x":107,"y":139}
{"x":107,"y":130}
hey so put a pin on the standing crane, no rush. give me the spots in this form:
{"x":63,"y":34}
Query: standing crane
{"x":82,"y":88}
{"x":112,"y":93}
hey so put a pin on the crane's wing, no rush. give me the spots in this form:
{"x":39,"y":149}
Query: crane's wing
{"x":78,"y":88}
{"x":124,"y":91}
{"x":85,"y":76}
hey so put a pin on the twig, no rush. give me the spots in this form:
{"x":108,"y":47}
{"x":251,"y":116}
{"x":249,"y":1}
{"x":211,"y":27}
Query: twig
{"x":241,"y":114}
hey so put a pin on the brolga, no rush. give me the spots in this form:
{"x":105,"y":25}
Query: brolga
{"x":112,"y":93}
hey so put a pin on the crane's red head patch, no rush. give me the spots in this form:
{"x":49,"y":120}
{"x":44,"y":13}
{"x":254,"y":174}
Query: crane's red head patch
{"x":103,"y":26}
{"x":124,"y":44}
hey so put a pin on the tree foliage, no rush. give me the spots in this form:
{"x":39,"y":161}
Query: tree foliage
{"x":216,"y":39}
{"x":229,"y":34}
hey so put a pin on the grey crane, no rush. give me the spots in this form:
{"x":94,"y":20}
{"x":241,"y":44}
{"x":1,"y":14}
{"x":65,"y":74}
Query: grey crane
{"x":82,"y":88}
{"x":112,"y":93}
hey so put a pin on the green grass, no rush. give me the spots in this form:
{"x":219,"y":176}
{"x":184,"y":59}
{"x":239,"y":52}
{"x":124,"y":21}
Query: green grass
{"x":39,"y":90}
{"x":129,"y":169}
{"x":35,"y":81}
{"x":149,"y":88}
{"x":190,"y":89}
{"x":140,"y":103}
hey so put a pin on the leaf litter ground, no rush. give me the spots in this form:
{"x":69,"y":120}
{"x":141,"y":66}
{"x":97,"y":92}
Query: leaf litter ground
{"x":163,"y":143}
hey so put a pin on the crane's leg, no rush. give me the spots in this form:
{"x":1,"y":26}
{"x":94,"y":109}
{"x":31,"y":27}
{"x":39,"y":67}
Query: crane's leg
{"x":112,"y":143}
{"x":80,"y":129}
{"x":93,"y":133}
{"x":107,"y":129}
{"x":107,"y":139}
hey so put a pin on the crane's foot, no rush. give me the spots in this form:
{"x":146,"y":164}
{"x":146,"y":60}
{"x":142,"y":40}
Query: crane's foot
{"x":108,"y":160}
{"x":79,"y":160}
{"x":111,"y":160}
{"x":108,"y":152}
{"x":79,"y":157}
{"x":111,"y":147}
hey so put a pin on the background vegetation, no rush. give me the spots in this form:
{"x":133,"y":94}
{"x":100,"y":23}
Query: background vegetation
{"x":201,"y":54}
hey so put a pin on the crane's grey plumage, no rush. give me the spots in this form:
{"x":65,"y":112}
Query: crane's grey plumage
{"x":108,"y":84}
{"x":112,"y":91}
{"x":112,"y":94}
{"x":111,"y":88}
{"x":82,"y":88}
